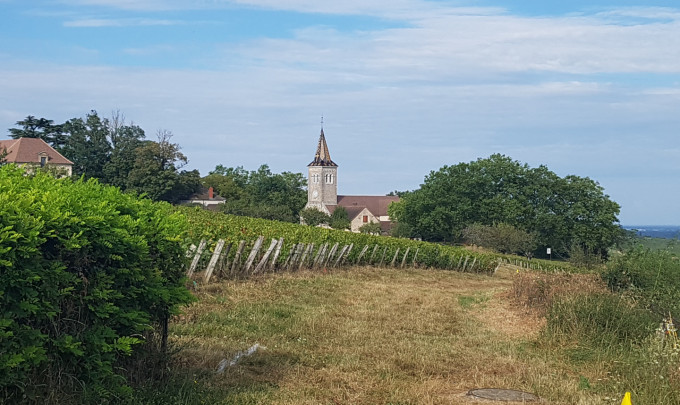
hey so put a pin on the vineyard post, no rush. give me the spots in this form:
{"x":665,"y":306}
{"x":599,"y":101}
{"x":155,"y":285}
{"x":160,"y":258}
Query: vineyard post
{"x":305,"y":254}
{"x":403,"y":261}
{"x":465,"y":264}
{"x":342,"y":252}
{"x":375,"y":249}
{"x":213,"y":259}
{"x":197,"y":257}
{"x":394,"y":259}
{"x":414,"y":257}
{"x":224,"y":261}
{"x":382,"y":259}
{"x":351,"y":245}
{"x":264,"y":259}
{"x":363,"y":251}
{"x":290,"y":256}
{"x":277,"y":252}
{"x":253,"y":254}
{"x":460,"y":260}
{"x":298,"y":251}
{"x":331,"y":253}
{"x":472,"y":266}
{"x":237,"y":259}
{"x":319,"y":255}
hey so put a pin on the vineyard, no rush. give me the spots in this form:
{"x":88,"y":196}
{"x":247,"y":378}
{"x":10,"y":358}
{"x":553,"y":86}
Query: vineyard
{"x":244,"y":248}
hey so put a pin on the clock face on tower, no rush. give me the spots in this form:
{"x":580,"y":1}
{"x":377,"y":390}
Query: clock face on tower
{"x":315,"y":194}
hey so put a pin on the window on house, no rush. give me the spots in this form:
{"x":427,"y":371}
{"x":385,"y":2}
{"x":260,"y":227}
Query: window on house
{"x":43,"y":161}
{"x":365,"y":218}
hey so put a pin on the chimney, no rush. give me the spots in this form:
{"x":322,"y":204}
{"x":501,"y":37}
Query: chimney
{"x":210,"y":193}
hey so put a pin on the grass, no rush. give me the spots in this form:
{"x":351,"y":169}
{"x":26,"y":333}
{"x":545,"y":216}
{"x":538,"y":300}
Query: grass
{"x":365,"y":336}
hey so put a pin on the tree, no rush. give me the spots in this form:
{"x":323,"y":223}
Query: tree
{"x":340,"y":218}
{"x":372,"y":228}
{"x":259,"y":193}
{"x":314,"y":217}
{"x":87,"y":145}
{"x":502,"y":238}
{"x":559,"y":211}
{"x":32,"y":127}
{"x":155,"y":171}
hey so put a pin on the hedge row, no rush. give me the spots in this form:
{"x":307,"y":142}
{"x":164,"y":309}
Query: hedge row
{"x":89,"y":275}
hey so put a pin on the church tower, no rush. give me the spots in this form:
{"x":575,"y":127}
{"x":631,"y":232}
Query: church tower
{"x":322,"y":180}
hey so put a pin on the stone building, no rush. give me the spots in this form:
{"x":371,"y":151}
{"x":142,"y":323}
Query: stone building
{"x":322,"y":193}
{"x":34,"y":152}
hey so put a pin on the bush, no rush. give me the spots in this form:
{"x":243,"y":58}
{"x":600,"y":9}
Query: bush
{"x":651,"y":276}
{"x":89,"y":278}
{"x":502,"y":238}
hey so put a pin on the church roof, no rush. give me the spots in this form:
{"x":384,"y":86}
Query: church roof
{"x":28,"y":150}
{"x":323,"y":156}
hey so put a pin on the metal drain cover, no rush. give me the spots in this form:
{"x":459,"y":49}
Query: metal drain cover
{"x":496,"y":394}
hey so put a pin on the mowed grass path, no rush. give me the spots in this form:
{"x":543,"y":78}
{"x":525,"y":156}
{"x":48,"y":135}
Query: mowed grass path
{"x":363,"y":336}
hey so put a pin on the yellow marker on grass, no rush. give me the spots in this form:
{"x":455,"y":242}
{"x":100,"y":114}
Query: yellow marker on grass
{"x":626,"y":399}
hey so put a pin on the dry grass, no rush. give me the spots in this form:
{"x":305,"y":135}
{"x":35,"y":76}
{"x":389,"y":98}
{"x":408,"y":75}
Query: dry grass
{"x":369,"y":336}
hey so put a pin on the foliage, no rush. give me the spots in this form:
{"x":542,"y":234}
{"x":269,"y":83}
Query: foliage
{"x":372,"y":228}
{"x":156,"y":173}
{"x":340,"y":218}
{"x":651,"y":276}
{"x":560,"y":211}
{"x":32,"y":127}
{"x":117,"y":153}
{"x":89,"y":276}
{"x":213,"y":225}
{"x":314,"y":217}
{"x":502,"y":238}
{"x":259,"y":193}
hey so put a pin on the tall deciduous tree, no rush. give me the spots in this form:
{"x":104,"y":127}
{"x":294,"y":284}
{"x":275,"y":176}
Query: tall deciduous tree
{"x":156,"y":173}
{"x":32,"y":127}
{"x":561,"y":212}
{"x":87,"y":145}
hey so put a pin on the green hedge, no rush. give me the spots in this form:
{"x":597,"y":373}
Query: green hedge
{"x":89,"y":276}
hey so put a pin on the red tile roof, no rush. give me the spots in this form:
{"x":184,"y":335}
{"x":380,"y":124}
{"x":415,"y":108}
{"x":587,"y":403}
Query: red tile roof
{"x":28,"y":150}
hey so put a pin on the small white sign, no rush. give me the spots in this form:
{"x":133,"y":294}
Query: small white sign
{"x":547,"y":251}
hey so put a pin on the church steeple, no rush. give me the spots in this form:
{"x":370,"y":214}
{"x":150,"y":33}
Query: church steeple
{"x":322,"y":156}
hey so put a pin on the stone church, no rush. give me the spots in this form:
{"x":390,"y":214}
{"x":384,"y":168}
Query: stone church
{"x":322,"y":193}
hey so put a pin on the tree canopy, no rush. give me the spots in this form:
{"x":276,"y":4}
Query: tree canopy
{"x":117,"y":153}
{"x":259,"y":193}
{"x":561,"y":212}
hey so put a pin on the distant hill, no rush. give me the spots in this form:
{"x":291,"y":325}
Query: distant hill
{"x":656,"y":231}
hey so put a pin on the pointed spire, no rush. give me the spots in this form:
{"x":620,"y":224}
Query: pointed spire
{"x":322,"y":156}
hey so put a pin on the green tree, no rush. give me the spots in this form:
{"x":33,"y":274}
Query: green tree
{"x":559,"y":211}
{"x":372,"y":228}
{"x":340,"y":218}
{"x":502,"y":238}
{"x":313,"y":216}
{"x":156,"y":173}
{"x":259,"y":193}
{"x":87,"y":145}
{"x":32,"y":127}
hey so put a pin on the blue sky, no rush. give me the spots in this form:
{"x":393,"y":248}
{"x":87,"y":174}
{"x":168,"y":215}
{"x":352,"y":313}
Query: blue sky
{"x":405,"y":86}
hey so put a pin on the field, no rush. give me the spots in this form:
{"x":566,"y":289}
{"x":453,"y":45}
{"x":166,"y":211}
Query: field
{"x":366,"y":336}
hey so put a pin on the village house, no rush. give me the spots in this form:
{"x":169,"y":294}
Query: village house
{"x":33,"y":153}
{"x":322,"y":193}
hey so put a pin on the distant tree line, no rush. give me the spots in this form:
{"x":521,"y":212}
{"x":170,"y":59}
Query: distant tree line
{"x":499,"y":199}
{"x":117,"y":153}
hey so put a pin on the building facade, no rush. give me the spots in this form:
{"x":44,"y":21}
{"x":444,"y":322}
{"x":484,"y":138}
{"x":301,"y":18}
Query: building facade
{"x":322,"y":193}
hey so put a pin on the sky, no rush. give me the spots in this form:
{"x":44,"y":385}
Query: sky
{"x":590,"y":88}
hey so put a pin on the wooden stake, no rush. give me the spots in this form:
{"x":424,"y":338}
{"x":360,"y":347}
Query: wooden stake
{"x":414,"y":258}
{"x":213,"y":259}
{"x":197,"y":257}
{"x":277,"y":252}
{"x":342,"y":252}
{"x":383,"y":257}
{"x":264,"y":259}
{"x":330,"y":255}
{"x":403,"y":261}
{"x":363,"y":251}
{"x":394,"y":259}
{"x":375,"y":249}
{"x":351,"y":245}
{"x":237,"y":258}
{"x":253,"y":254}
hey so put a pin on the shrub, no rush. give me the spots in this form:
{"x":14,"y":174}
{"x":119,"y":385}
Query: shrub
{"x":501,"y":237}
{"x":89,"y":276}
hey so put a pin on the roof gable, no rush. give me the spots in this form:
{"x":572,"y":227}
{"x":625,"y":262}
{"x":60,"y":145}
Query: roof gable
{"x":29,"y":150}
